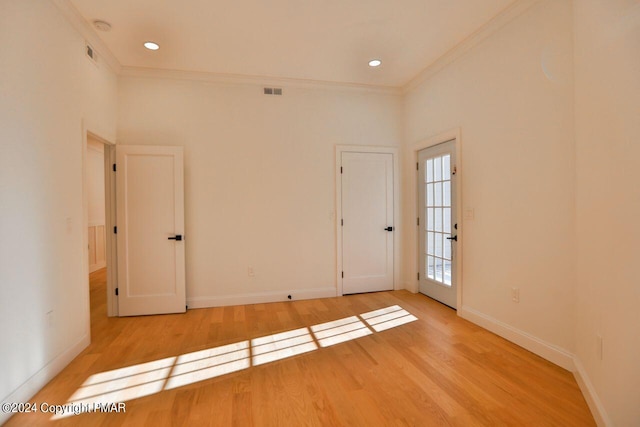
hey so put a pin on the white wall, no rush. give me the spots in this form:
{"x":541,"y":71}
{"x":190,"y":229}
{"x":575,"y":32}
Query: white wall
{"x":94,"y":179}
{"x":512,"y":98}
{"x":259,"y":177}
{"x":607,"y":106}
{"x":47,"y":88}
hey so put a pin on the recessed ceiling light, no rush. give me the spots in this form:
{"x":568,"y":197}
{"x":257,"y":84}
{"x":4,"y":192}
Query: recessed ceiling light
{"x":151,"y":45}
{"x":375,"y":63}
{"x":102,"y":25}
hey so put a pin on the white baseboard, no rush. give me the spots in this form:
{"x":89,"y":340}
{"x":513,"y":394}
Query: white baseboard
{"x":410,"y":286}
{"x":590,"y":395}
{"x":28,"y":389}
{"x":261,"y":297}
{"x":552,"y":353}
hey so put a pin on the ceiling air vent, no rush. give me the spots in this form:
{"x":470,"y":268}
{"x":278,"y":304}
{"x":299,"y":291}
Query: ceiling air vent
{"x":273,"y":91}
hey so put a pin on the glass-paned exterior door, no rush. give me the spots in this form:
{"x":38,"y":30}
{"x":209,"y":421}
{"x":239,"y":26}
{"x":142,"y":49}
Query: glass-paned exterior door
{"x":437,"y":226}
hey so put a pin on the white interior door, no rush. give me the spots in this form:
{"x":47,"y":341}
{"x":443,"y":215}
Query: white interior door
{"x":438,"y":229}
{"x":367,"y":222}
{"x":150,"y":221}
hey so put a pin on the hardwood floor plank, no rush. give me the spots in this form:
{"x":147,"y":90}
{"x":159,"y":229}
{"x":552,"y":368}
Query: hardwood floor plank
{"x":438,"y":370}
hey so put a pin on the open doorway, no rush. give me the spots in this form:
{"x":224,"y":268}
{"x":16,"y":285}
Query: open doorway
{"x":99,"y":216}
{"x":96,"y":205}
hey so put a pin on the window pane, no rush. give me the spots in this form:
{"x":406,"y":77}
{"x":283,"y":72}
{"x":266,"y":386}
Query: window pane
{"x":437,"y":169}
{"x":429,"y":213}
{"x":447,"y":273}
{"x":446,"y":193}
{"x":446,"y":220}
{"x":437,"y":201}
{"x":447,"y":247}
{"x":430,"y":243}
{"x":446,"y":165}
{"x":439,"y":277}
{"x":429,"y":195}
{"x":438,"y":219}
{"x":429,"y":171}
{"x":430,"y":267}
{"x":438,"y":238}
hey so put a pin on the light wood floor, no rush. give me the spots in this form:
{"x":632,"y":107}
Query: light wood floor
{"x":437,"y":370}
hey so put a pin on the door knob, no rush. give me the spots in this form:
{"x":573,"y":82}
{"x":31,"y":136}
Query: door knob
{"x":389,"y":229}
{"x":454,"y":238}
{"x":177,"y":237}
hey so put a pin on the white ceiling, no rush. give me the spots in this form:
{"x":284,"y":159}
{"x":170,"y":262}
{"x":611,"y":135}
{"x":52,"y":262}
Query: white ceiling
{"x":322,"y":40}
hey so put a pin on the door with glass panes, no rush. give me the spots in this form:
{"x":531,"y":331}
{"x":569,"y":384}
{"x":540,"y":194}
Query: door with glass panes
{"x":436,"y":222}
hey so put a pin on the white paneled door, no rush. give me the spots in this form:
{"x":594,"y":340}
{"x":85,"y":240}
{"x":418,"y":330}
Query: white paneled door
{"x":367,"y":222}
{"x":150,"y":221}
{"x":437,"y":227}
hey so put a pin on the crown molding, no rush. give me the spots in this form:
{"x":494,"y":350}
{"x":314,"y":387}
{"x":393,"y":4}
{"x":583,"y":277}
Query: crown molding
{"x":495,"y":24}
{"x":242,"y":79}
{"x":86,"y":30}
{"x":510,"y":13}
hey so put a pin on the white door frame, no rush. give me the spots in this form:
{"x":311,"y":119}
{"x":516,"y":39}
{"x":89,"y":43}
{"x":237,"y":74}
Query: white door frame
{"x":110,"y":219}
{"x":453,"y":134}
{"x":396,"y":209}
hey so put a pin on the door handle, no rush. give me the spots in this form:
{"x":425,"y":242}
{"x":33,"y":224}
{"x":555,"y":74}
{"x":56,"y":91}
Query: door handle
{"x":389,"y":229}
{"x":454,"y":238}
{"x":177,"y":237}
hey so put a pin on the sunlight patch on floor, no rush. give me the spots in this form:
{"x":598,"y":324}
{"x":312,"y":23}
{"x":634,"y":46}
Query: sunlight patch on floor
{"x":144,"y":379}
{"x":210,"y":363}
{"x":387,"y":318}
{"x":280,"y":346}
{"x":339,"y":331}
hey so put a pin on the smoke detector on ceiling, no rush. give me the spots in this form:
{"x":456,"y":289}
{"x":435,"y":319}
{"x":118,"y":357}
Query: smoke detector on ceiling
{"x":102,"y":25}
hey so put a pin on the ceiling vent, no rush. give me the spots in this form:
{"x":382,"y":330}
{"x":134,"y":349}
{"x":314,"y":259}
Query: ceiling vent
{"x":273,"y":91}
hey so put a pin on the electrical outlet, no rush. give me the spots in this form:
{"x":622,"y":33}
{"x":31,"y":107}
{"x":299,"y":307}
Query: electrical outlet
{"x":515,"y":294}
{"x":250,"y":272}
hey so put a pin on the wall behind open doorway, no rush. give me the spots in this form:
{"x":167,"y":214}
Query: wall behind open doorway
{"x":96,"y":204}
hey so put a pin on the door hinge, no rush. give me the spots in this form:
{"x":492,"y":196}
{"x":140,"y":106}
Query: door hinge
{"x":417,"y":166}
{"x":340,"y":169}
{"x":342,"y":222}
{"x":454,"y":170}
{"x":115,"y":230}
{"x":114,"y":167}
{"x":116,"y":291}
{"x":418,"y":221}
{"x":418,"y":275}
{"x":343,"y":274}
